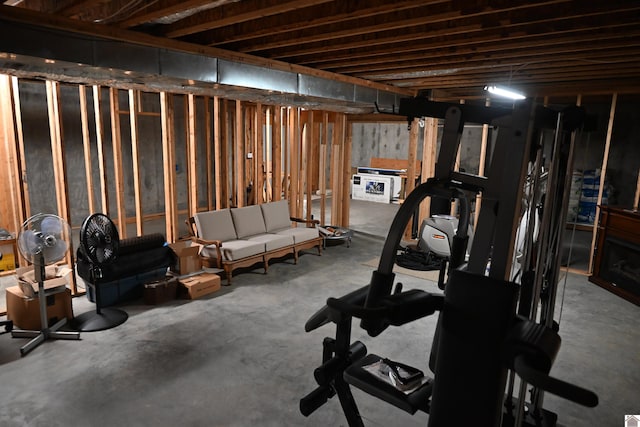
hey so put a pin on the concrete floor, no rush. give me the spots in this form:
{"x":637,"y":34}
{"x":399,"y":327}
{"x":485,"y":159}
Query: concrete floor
{"x":240,"y":357}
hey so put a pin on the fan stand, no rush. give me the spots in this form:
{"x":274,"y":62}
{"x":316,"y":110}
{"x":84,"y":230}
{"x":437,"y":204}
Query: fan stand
{"x":101,"y":319}
{"x":46,"y":332}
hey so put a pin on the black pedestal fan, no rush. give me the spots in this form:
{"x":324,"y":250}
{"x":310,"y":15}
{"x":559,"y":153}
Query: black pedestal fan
{"x":99,"y":242}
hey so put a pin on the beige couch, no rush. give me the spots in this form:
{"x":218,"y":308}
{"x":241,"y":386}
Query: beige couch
{"x":242,"y":237}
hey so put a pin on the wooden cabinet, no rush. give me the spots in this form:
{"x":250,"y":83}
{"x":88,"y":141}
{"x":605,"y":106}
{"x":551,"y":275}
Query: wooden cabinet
{"x":617,"y":256}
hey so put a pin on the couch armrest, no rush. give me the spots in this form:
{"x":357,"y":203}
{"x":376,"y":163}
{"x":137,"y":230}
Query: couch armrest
{"x":311,"y":223}
{"x":205,"y":242}
{"x":215,"y":243}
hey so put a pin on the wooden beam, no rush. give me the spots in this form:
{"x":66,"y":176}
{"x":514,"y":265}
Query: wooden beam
{"x":102,"y":165}
{"x":277,"y":153}
{"x":135,"y":159}
{"x":323,"y":167}
{"x":208,"y":144}
{"x":268,"y":154}
{"x":86,"y":145}
{"x":412,"y":155}
{"x":429,"y":146}
{"x":192,"y":150}
{"x":258,"y":156}
{"x":21,"y":171}
{"x":11,"y":217}
{"x":168,"y":159}
{"x":309,"y":162}
{"x":116,"y":145}
{"x":238,"y":147}
{"x":156,"y":10}
{"x":603,"y":173}
{"x":294,"y":161}
{"x":59,"y":165}
{"x":224,"y":155}
{"x":233,"y":14}
{"x":346,"y":171}
{"x":336,"y":166}
{"x":217,"y":153}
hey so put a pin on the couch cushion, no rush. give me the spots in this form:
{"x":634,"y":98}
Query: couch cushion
{"x":276,"y":215}
{"x":233,"y":250}
{"x":273,"y":241}
{"x":300,"y":234}
{"x":248,"y":221}
{"x":215,"y":225}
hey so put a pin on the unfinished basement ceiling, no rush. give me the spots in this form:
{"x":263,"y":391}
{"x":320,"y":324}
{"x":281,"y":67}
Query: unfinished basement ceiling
{"x":449,"y":48}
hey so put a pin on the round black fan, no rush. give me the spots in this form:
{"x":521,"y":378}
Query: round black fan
{"x":99,"y":239}
{"x":99,"y":243}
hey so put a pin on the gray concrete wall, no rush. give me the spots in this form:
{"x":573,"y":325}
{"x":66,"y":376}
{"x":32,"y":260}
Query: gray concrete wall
{"x":39,"y":161}
{"x":391,"y":140}
{"x":369,"y":140}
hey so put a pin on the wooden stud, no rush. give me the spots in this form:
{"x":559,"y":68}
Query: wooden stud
{"x":336,"y":162}
{"x":429,"y":145}
{"x":222,"y":155}
{"x":308,"y":162}
{"x":192,"y":147}
{"x":86,"y":144}
{"x":102,"y":165}
{"x":249,"y":147}
{"x":294,"y":163}
{"x":603,"y":173}
{"x":168,"y":157}
{"x":258,"y":156}
{"x":59,"y":166}
{"x":301,"y":182}
{"x":217,"y":158}
{"x":322,"y":172}
{"x":21,"y":167}
{"x":11,"y":211}
{"x":346,"y":171}
{"x":116,"y":144}
{"x":239,"y":156}
{"x":481,"y":165}
{"x":208,"y":144}
{"x":277,"y":153}
{"x":134,"y":106}
{"x":411,"y":168}
{"x":268,"y":154}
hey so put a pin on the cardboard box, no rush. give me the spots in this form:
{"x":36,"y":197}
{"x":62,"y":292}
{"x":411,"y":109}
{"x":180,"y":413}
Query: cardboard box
{"x":56,"y":276}
{"x":188,"y":258}
{"x":25,"y":311}
{"x":160,"y":291}
{"x":199,"y":285}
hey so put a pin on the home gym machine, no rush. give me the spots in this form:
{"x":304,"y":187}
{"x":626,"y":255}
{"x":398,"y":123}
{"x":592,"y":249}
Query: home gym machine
{"x":496,"y":313}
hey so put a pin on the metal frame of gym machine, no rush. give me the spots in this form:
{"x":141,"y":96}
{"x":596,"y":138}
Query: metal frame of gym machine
{"x":494,"y":323}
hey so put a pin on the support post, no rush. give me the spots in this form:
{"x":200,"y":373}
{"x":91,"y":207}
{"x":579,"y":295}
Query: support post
{"x":134,"y":109}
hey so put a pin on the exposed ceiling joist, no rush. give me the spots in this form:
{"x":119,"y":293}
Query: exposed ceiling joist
{"x":448,"y":47}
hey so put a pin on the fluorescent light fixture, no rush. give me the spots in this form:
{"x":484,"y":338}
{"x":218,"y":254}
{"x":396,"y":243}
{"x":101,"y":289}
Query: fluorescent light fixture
{"x":505,"y":92}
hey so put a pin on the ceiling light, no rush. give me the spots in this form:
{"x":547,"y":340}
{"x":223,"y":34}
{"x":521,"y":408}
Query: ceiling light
{"x":505,"y":92}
